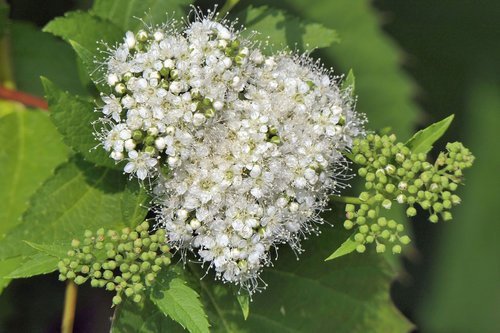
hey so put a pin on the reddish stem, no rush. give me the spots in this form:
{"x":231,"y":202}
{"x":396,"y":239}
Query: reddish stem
{"x":26,"y":99}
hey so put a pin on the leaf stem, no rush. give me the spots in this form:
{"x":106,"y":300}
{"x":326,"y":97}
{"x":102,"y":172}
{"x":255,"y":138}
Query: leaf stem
{"x":347,"y":200}
{"x":228,"y":5}
{"x":23,"y":98}
{"x":69,"y":307}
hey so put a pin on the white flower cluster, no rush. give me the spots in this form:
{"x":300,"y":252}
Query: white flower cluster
{"x":243,"y":149}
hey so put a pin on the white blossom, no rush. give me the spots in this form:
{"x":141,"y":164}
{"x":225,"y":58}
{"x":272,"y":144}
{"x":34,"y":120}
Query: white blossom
{"x":252,"y":143}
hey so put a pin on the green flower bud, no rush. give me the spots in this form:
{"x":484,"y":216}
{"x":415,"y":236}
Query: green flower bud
{"x":364,"y":229}
{"x":359,"y":237}
{"x":396,"y":249}
{"x":405,"y":240}
{"x":137,"y":298}
{"x":117,"y":300}
{"x":380,"y":248}
{"x":361,"y":248}
{"x":348,"y":224}
{"x":447,"y":216}
{"x":80,"y":280}
{"x":411,"y":211}
{"x":434,"y":218}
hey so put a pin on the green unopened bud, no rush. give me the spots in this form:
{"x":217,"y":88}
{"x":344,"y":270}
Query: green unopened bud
{"x":447,"y":216}
{"x":405,"y":240}
{"x":411,"y":211}
{"x":117,"y":300}
{"x":80,"y":280}
{"x":434,"y":218}
{"x":396,"y":249}
{"x":380,"y":248}
{"x":360,"y":248}
{"x":275,"y":139}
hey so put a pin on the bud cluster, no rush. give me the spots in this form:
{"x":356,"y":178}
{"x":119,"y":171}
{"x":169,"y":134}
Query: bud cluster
{"x":394,"y":174}
{"x":125,"y":262}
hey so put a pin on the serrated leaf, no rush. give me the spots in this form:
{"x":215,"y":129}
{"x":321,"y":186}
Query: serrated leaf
{"x":283,"y":30}
{"x":347,"y":247}
{"x":74,"y":117}
{"x":350,"y":294}
{"x":144,"y":318}
{"x":92,"y":34}
{"x":423,"y":140}
{"x":244,"y":301}
{"x":91,"y":67}
{"x":35,"y":53}
{"x":37,"y":264}
{"x":85,"y":29}
{"x":79,"y":196}
{"x":53,"y":250}
{"x":178,"y":301}
{"x":133,"y":14}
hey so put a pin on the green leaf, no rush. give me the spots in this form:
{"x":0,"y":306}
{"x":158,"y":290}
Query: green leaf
{"x":132,"y":14}
{"x":74,"y":118}
{"x":385,"y":91}
{"x":79,"y":196}
{"x":244,"y":301}
{"x":347,"y":247}
{"x":6,"y":267}
{"x":283,"y":30}
{"x":33,"y":151}
{"x":142,"y":318}
{"x":35,"y":53}
{"x":37,"y":264}
{"x":85,"y":29}
{"x":349,"y":82}
{"x":351,"y":294}
{"x":423,"y":140}
{"x":57,"y":251}
{"x":178,"y":301}
{"x":92,"y":34}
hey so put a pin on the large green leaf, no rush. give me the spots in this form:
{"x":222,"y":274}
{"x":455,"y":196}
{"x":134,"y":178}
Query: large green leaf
{"x":131,"y":317}
{"x":92,"y":34}
{"x":35,"y":53}
{"x":178,"y":301}
{"x":31,"y":150}
{"x":384,"y":90}
{"x":133,"y":14}
{"x":74,"y":117}
{"x":283,"y":30}
{"x":79,"y":196}
{"x":350,"y":294}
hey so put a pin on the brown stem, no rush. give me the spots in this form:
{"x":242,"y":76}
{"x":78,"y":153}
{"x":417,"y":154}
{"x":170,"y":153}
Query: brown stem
{"x":26,"y":99}
{"x":69,"y":307}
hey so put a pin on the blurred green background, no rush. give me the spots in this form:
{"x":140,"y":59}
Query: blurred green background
{"x":415,"y":63}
